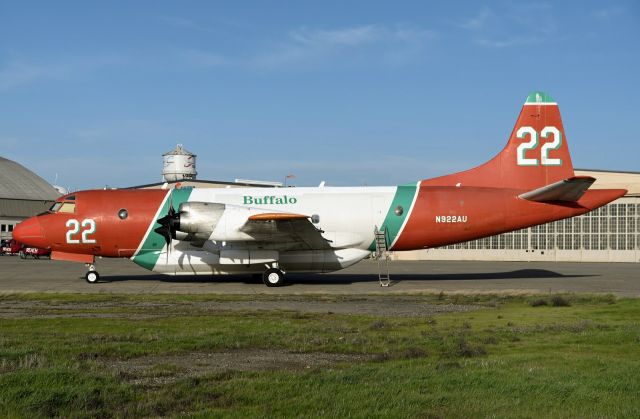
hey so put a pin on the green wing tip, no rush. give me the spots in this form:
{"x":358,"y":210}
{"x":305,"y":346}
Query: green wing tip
{"x":539,"y":97}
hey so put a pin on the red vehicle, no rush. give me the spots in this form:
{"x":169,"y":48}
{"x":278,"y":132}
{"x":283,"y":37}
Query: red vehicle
{"x":34,"y":252}
{"x":13,"y":247}
{"x":10,"y":247}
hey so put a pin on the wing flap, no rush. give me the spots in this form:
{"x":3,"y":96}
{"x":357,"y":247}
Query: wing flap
{"x":277,"y":216}
{"x":567,"y":190}
{"x":295,"y":229}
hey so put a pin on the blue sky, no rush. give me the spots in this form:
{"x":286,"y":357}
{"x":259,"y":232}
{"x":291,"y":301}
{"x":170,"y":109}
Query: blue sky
{"x":353,"y":93}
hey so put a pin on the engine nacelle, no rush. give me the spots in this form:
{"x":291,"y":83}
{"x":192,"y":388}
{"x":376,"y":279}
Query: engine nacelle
{"x":198,"y":219}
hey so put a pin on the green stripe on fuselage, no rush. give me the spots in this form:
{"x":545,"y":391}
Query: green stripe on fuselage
{"x":153,"y":244}
{"x":393,"y":222}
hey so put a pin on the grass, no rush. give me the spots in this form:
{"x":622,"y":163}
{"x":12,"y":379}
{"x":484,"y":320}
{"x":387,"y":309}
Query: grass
{"x":139,"y":356}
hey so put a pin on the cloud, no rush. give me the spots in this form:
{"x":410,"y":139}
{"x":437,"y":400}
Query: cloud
{"x":505,"y":43}
{"x":211,"y":23}
{"x":16,"y":74}
{"x":354,"y":36}
{"x":200,"y":58}
{"x":608,"y":13}
{"x":477,"y":22}
{"x":19,"y":73}
{"x":183,"y":23}
{"x":513,"y":25}
{"x":392,"y":45}
{"x":311,"y":45}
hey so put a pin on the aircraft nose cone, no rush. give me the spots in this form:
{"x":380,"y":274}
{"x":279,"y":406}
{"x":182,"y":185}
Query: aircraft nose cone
{"x":30,"y":232}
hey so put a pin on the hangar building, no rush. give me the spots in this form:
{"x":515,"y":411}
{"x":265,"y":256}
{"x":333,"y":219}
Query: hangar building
{"x":22,"y":194}
{"x":608,"y":234}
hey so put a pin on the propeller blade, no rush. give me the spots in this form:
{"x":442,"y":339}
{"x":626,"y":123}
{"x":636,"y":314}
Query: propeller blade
{"x":164,"y":221}
{"x":168,"y":225}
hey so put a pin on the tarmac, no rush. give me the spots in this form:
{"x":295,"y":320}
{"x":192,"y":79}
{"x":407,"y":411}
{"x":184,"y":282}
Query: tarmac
{"x":122,"y":276}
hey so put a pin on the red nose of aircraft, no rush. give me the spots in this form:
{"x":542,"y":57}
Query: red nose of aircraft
{"x":30,"y":232}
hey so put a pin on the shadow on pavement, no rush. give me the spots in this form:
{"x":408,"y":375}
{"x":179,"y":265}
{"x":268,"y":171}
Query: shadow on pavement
{"x":346,"y":278}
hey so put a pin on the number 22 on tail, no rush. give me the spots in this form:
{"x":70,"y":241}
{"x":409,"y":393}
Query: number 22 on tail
{"x":533,"y":143}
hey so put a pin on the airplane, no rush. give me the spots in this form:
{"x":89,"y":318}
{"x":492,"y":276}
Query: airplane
{"x":274,"y":231}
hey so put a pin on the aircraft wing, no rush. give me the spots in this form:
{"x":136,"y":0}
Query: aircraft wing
{"x":278,"y":227}
{"x":568,"y":190}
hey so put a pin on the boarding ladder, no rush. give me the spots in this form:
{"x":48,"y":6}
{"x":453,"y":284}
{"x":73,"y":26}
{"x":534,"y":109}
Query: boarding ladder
{"x":382,"y":256}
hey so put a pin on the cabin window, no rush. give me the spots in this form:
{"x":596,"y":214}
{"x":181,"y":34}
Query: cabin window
{"x":68,"y":207}
{"x":123,"y":214}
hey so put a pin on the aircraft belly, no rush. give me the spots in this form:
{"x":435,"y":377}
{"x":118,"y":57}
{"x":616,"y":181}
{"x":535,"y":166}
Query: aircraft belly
{"x":322,"y":260}
{"x":201,"y":262}
{"x":247,"y":257}
{"x":192,"y":262}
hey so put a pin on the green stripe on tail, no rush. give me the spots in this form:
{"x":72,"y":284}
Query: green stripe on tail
{"x":539,"y":97}
{"x":393,"y":223}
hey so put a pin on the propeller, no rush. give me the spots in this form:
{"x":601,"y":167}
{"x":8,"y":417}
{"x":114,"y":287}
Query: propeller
{"x":169,"y":224}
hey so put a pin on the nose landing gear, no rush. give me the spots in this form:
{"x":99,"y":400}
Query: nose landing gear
{"x":92,"y":275}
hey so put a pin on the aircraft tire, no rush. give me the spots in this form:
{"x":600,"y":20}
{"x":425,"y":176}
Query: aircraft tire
{"x":92,"y":277}
{"x":23,"y":255}
{"x":273,"y":277}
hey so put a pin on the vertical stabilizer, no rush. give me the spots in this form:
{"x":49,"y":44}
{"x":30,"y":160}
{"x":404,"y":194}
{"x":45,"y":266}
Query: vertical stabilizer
{"x":537,"y":153}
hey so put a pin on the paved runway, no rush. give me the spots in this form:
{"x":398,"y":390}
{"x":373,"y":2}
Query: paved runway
{"x":123,"y":276}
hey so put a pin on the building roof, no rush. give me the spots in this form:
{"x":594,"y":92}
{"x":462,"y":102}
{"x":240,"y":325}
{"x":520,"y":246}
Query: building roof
{"x":18,"y":182}
{"x":201,"y":184}
{"x":607,"y":179}
{"x":179,"y":151}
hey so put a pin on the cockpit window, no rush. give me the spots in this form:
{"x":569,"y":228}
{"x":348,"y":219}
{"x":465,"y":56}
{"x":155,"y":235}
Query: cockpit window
{"x":70,"y":198}
{"x":68,"y":207}
{"x":55,"y":207}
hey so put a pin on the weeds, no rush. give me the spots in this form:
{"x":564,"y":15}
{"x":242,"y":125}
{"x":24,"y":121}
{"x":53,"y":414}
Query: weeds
{"x":467,"y":350}
{"x":378,"y":325}
{"x":25,"y":362}
{"x":560,"y":301}
{"x":539,"y":302}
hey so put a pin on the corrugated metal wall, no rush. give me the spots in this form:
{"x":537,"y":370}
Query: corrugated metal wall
{"x":22,"y":208}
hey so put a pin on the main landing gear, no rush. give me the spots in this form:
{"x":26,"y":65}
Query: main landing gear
{"x":273,"y":276}
{"x":92,"y":275}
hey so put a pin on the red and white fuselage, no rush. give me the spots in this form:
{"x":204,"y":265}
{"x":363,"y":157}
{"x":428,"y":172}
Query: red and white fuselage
{"x":217,"y":231}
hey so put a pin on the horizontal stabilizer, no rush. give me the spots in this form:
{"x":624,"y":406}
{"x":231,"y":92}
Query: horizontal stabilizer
{"x":568,"y":190}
